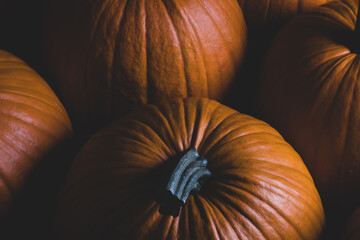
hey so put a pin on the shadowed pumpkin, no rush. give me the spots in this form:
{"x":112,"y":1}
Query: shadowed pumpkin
{"x":32,"y":123}
{"x":352,"y":230}
{"x":109,"y":56}
{"x":259,"y":13}
{"x":311,"y":94}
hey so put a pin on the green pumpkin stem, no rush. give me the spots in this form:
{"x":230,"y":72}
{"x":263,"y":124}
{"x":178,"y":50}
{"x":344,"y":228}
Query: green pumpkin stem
{"x":188,"y":176}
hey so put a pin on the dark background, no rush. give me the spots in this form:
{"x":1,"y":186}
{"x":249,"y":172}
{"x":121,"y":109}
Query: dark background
{"x":22,"y":30}
{"x":22,"y":25}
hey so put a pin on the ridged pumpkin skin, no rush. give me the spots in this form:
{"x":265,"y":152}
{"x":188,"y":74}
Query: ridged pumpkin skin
{"x":259,"y":187}
{"x":352,"y":231}
{"x":32,"y":123}
{"x":271,"y":12}
{"x":108,"y":56}
{"x":310,"y":93}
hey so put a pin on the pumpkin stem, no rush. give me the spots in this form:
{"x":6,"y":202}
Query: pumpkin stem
{"x":188,"y":176}
{"x":357,"y":30}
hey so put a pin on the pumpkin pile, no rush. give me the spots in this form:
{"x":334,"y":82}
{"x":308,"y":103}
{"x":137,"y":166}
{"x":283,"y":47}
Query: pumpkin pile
{"x":148,"y":124}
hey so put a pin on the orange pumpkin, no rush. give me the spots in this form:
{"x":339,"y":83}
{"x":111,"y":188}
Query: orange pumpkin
{"x":108,"y":56}
{"x":274,"y":12}
{"x":32,"y":123}
{"x":259,"y":187}
{"x":352,"y":231}
{"x":310,"y":92}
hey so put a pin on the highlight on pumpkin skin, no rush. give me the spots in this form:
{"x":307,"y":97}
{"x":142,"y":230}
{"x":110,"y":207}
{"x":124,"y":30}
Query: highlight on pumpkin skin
{"x":33,"y":123}
{"x":259,"y":187}
{"x":310,"y":94}
{"x":108,"y":57}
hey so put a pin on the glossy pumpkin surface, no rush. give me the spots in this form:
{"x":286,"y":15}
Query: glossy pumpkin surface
{"x":259,"y":187}
{"x":32,"y":123}
{"x":311,"y":94}
{"x":109,"y":56}
{"x":270,"y":12}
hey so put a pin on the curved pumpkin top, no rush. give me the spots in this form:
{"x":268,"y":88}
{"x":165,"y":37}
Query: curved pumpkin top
{"x":352,"y":231}
{"x":108,"y":56}
{"x":259,"y":187}
{"x":32,"y":122}
{"x":271,"y":12}
{"x":310,"y":93}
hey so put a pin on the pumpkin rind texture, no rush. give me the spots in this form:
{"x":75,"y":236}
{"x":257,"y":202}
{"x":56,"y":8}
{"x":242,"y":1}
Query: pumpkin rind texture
{"x":32,"y":123}
{"x":109,"y":56}
{"x":310,"y":93}
{"x":259,"y":13}
{"x":259,"y":187}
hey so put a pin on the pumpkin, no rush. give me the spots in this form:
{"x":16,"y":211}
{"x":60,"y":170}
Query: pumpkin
{"x":352,"y":229}
{"x":264,"y":18}
{"x":258,"y":188}
{"x":269,"y":12}
{"x":32,"y":123}
{"x":310,"y":93}
{"x":109,"y":56}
